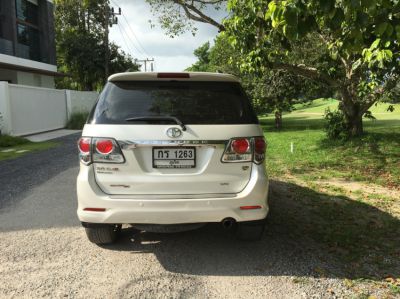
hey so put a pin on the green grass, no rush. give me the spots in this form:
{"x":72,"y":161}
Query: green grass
{"x":316,"y":106}
{"x":374,"y":157}
{"x":320,"y":105}
{"x":7,"y":141}
{"x":360,"y":228}
{"x":20,"y":144}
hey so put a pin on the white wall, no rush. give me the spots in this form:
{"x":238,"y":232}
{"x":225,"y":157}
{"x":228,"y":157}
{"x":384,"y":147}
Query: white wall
{"x":5,"y":115}
{"x":27,"y":110}
{"x":80,"y":101}
{"x":36,"y":109}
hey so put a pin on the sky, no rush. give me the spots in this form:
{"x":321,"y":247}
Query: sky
{"x":141,"y":41}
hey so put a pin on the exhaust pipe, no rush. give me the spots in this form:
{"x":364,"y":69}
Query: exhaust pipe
{"x":228,"y":223}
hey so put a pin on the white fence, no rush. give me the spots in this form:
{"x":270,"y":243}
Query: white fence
{"x":27,"y":110}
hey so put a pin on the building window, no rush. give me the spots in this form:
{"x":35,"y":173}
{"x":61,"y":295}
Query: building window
{"x":1,"y":19}
{"x":6,"y":45}
{"x":27,"y":11}
{"x":28,"y":42}
{"x":28,"y":38}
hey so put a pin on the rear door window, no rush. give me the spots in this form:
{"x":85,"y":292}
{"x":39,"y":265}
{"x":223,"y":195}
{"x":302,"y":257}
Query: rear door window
{"x":191,"y":102}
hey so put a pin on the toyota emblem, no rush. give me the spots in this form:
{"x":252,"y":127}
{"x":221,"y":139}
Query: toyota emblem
{"x":174,"y":132}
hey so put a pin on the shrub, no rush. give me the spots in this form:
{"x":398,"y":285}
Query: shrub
{"x":8,"y":141}
{"x":335,"y":126}
{"x":77,"y":120}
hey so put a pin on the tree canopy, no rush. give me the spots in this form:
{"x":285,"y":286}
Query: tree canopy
{"x":179,"y":16}
{"x":80,"y":43}
{"x":357,"y":40}
{"x":272,"y":91}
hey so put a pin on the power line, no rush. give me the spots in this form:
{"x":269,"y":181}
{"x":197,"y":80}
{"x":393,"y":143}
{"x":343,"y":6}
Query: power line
{"x":126,"y":43}
{"x":134,"y":35}
{"x":131,"y":30}
{"x":132,"y":43}
{"x":110,"y":20}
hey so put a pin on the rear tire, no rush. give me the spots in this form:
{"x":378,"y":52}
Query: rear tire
{"x":102,"y":234}
{"x":251,"y":230}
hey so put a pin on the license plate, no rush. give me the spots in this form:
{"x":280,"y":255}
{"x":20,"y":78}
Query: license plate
{"x":174,"y":157}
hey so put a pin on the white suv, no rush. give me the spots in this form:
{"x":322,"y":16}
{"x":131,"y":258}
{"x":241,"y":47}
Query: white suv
{"x":172,"y":148}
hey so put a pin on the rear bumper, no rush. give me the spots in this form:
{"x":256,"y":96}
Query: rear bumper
{"x":169,"y":210}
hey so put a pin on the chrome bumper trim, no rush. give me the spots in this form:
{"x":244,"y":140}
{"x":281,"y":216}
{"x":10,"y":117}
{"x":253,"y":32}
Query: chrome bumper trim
{"x":131,"y":144}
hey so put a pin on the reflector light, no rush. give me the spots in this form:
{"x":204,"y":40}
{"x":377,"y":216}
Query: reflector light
{"x":259,"y":145}
{"x":84,"y":145}
{"x":240,"y":146}
{"x":104,"y":146}
{"x":250,"y":207}
{"x":94,"y":209}
{"x":173,"y":75}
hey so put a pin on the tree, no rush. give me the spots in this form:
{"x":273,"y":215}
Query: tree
{"x":271,"y":91}
{"x":179,"y":16}
{"x":81,"y":51}
{"x":359,"y":36}
{"x":203,"y":55}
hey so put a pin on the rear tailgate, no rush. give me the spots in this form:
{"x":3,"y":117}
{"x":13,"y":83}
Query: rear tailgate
{"x":139,"y":176}
{"x":157,"y":162}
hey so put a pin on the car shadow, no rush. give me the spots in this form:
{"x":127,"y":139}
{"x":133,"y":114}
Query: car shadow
{"x":308,"y":234}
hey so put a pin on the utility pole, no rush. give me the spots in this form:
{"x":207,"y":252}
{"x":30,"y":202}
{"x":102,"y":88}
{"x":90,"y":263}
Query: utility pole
{"x":110,"y":20}
{"x":145,"y":61}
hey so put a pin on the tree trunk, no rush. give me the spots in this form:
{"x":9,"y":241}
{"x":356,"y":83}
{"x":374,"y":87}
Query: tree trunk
{"x":353,"y":113}
{"x":355,"y":125}
{"x":278,"y":120}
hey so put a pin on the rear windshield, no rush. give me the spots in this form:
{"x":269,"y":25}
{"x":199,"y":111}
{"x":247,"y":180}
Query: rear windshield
{"x":190,"y":102}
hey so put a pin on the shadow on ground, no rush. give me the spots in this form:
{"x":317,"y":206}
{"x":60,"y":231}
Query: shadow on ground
{"x":308,"y":234}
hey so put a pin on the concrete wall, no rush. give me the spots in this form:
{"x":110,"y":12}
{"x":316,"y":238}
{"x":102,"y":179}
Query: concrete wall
{"x":36,"y":109}
{"x":27,"y":110}
{"x":79,"y":101}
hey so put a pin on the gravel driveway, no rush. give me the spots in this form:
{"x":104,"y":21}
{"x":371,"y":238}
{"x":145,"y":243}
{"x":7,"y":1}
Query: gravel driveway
{"x":45,"y":253}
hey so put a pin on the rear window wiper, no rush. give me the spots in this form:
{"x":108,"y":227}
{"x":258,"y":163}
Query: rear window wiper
{"x":144,"y":118}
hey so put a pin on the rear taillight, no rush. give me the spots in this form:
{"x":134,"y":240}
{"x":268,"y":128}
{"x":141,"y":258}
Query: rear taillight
{"x":102,"y":150}
{"x":238,"y":150}
{"x":104,"y":146}
{"x":259,"y":149}
{"x":84,"y":146}
{"x":245,"y":150}
{"x":240,"y":146}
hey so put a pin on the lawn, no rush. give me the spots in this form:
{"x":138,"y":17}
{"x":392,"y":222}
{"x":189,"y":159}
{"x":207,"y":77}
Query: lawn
{"x":13,"y":147}
{"x":375,"y":157}
{"x":345,"y":196}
